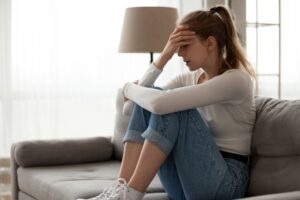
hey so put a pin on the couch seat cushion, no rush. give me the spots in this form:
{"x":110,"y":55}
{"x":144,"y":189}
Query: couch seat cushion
{"x":69,"y":182}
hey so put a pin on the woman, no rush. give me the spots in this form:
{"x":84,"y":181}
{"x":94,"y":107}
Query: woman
{"x":195,"y":131}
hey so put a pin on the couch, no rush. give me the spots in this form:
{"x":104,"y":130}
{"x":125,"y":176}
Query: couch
{"x":67,"y":169}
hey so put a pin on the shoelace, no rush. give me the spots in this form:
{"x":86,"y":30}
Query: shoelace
{"x":121,"y":190}
{"x":110,"y":191}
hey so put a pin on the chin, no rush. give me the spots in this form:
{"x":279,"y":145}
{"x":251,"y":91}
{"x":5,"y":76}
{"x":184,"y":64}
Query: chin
{"x":193,"y":68}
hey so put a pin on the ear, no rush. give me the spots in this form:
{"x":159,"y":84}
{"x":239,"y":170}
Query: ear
{"x":211,"y":43}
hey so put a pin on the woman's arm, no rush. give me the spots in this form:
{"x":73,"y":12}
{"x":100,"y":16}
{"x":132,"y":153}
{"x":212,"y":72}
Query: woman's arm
{"x":180,"y":36}
{"x":232,"y":85}
{"x":148,"y":81}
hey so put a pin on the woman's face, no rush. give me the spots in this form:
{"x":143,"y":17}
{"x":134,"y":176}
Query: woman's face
{"x":195,"y":55}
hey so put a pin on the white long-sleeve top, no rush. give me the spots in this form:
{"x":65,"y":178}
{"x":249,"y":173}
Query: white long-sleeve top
{"x":226,"y":102}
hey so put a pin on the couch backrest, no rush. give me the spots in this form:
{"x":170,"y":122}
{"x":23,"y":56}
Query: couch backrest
{"x":275,"y":163}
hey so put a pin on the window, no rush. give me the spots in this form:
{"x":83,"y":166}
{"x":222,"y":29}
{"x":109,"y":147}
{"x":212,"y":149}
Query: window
{"x":263,"y":44}
{"x":272,"y":46}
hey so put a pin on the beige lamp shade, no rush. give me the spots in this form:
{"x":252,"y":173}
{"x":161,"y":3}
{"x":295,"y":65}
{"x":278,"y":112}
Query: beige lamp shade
{"x":147,"y":29}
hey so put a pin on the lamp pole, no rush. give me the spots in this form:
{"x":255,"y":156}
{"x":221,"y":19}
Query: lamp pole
{"x":151,"y":57}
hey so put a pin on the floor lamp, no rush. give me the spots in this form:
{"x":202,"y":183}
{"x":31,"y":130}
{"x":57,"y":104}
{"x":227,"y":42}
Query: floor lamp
{"x":147,"y":29}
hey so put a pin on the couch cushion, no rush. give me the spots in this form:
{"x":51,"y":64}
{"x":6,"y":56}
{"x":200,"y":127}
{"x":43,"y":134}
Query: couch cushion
{"x":275,"y":165}
{"x":69,"y":182}
{"x":62,"y":151}
{"x":277,"y":127}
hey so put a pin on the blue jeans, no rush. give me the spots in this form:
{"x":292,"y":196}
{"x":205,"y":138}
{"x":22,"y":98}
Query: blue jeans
{"x":194,"y":168}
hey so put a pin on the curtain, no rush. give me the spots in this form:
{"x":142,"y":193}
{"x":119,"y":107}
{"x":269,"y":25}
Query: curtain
{"x":63,"y":69}
{"x":273,"y":46}
{"x":290,"y":48}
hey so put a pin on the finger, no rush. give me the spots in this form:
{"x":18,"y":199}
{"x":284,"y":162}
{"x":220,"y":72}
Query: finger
{"x":178,"y":39}
{"x":183,"y":43}
{"x":180,"y":28}
{"x":173,"y":37}
{"x":182,"y":33}
{"x":186,"y":42}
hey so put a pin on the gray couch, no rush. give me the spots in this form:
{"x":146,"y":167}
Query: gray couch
{"x":72,"y":168}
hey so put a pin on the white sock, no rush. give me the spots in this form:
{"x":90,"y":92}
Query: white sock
{"x":134,"y":194}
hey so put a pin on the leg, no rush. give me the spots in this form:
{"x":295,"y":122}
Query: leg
{"x":155,"y":150}
{"x":149,"y":163}
{"x":168,"y":176}
{"x":133,"y":142}
{"x":130,"y":158}
{"x":200,"y":165}
{"x":151,"y":160}
{"x":202,"y":170}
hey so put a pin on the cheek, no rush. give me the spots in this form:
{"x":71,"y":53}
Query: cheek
{"x":202,"y":49}
{"x":199,"y":53}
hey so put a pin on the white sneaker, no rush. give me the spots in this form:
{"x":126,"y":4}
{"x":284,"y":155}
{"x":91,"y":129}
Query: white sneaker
{"x":110,"y":190}
{"x":124,"y":192}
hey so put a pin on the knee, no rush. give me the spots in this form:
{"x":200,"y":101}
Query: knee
{"x":163,"y":121}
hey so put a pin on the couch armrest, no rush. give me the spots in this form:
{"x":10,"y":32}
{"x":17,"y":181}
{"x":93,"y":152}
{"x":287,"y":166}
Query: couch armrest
{"x":295,"y":195}
{"x":61,"y":152}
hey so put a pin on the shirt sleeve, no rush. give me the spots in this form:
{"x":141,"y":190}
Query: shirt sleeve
{"x":147,"y":81}
{"x":230,"y":86}
{"x":150,"y":76}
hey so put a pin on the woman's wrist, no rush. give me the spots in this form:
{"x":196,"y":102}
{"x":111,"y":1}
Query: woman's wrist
{"x":161,"y":62}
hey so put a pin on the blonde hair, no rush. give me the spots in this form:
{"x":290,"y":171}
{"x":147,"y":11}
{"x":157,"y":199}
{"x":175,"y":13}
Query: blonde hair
{"x":218,"y":22}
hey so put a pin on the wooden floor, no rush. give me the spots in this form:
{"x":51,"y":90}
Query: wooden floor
{"x":5,"y":193}
{"x":5,"y":197}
